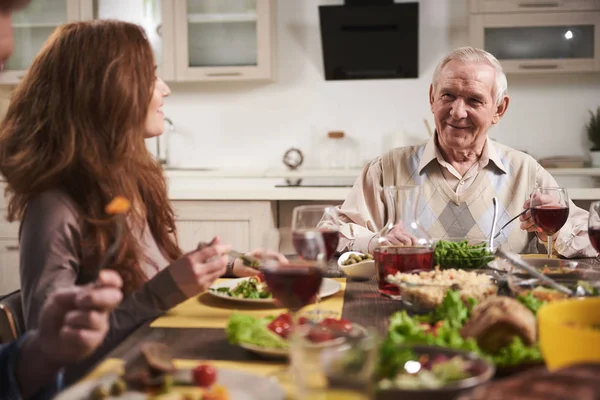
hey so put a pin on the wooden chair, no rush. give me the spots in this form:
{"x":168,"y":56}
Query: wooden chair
{"x":12,"y":322}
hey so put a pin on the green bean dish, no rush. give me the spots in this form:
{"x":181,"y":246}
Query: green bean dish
{"x":462,"y":255}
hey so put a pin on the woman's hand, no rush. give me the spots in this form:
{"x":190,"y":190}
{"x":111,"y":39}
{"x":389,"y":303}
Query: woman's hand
{"x":241,"y":270}
{"x":197,"y":270}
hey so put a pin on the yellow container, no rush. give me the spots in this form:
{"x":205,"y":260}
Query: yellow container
{"x":566,"y":333}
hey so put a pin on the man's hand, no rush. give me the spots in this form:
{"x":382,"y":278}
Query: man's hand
{"x":399,"y":236}
{"x":528,"y":224}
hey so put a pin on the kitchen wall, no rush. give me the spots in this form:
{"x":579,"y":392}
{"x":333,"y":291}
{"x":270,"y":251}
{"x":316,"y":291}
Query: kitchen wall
{"x":251,"y":125}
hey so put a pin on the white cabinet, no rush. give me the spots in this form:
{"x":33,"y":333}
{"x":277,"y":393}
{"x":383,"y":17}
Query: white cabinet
{"x":541,"y":41}
{"x":155,"y":16}
{"x":32,"y":26}
{"x":224,"y":40}
{"x":518,"y":6}
{"x":242,"y":224}
{"x":9,"y":266}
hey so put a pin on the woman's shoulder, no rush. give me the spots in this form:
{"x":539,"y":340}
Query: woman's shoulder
{"x":52,"y":205}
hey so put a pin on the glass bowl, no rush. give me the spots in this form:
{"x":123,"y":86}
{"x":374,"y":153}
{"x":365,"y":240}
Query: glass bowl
{"x":461,"y":253}
{"x":479,"y":370}
{"x":583,"y":283}
{"x":550,"y":266}
{"x":424,"y":291}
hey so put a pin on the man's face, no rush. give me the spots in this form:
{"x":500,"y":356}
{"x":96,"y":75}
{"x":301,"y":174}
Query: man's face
{"x":6,"y":32}
{"x":464,"y":105}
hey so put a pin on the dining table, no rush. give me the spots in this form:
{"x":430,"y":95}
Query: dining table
{"x":195,"y":330}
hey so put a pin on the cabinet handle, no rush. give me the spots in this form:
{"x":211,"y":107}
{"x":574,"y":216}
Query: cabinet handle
{"x":539,"y":66}
{"x":12,"y":248}
{"x":539,"y":5}
{"x":223,"y":73}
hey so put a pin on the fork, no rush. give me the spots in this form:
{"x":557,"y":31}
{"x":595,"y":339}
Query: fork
{"x":247,"y":260}
{"x":117,"y":207}
{"x":508,"y":223}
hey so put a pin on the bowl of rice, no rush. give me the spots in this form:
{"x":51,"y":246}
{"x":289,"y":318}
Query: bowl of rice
{"x":424,"y":291}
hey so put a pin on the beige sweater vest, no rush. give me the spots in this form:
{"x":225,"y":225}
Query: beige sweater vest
{"x":470,"y":214}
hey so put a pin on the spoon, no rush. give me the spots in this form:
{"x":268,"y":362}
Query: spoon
{"x":508,"y":223}
{"x":519,"y":263}
{"x":494,"y":222}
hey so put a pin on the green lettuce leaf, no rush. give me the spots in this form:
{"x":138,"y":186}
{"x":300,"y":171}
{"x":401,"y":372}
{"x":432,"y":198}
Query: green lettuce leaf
{"x":249,"y":330}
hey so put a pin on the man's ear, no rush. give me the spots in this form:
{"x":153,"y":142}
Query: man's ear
{"x":431,"y":97}
{"x":500,"y":110}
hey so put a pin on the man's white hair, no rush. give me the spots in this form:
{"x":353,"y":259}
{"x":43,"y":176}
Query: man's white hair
{"x":468,"y":55}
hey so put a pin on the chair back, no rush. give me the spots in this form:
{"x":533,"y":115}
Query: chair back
{"x":12,"y":322}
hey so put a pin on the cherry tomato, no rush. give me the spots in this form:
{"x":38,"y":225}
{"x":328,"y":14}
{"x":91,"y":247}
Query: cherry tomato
{"x":342,"y":325}
{"x":260,"y":277}
{"x":302,"y":320}
{"x":319,"y":334}
{"x":282,"y":325}
{"x":204,"y":375}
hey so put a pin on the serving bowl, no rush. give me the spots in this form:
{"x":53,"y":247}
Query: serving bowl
{"x":569,"y":332}
{"x":583,"y":283}
{"x":481,"y":371}
{"x":461,"y":253}
{"x":549,"y":266}
{"x":361,"y":270}
{"x":424,"y":291}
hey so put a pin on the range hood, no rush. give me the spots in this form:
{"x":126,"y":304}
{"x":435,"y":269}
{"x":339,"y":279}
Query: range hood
{"x":370,"y":39}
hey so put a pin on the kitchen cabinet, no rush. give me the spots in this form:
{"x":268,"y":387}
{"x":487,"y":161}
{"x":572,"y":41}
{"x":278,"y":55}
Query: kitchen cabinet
{"x":32,"y":26}
{"x":519,"y":6}
{"x":155,"y":16}
{"x":218,"y":40}
{"x":242,"y":224}
{"x":540,"y":41}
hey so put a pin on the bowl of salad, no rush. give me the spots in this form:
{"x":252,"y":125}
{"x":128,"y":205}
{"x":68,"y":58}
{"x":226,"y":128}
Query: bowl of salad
{"x":430,"y":372}
{"x":461,"y":253}
{"x":583,"y":283}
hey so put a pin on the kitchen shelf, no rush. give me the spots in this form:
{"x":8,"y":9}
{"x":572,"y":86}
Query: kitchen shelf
{"x":34,"y":25}
{"x":592,"y":171}
{"x":220,"y":18}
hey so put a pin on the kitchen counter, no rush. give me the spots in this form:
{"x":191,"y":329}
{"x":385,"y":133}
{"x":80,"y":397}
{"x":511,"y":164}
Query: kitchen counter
{"x":197,"y":185}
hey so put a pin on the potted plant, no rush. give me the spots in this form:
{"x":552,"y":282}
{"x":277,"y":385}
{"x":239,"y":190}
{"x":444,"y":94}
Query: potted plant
{"x":593,"y":133}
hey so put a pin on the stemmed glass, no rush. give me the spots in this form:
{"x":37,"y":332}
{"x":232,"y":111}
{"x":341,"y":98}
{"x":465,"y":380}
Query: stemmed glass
{"x":549,"y":210}
{"x":321,"y":218}
{"x":294,"y":284}
{"x":594,"y":225}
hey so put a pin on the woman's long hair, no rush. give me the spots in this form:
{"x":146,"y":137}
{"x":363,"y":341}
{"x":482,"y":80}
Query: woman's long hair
{"x":76,"y":122}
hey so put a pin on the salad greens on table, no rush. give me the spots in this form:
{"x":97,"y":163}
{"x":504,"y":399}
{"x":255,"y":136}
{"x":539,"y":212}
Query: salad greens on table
{"x":462,"y":254}
{"x":251,"y":288}
{"x":442,"y":328}
{"x":251,"y":330}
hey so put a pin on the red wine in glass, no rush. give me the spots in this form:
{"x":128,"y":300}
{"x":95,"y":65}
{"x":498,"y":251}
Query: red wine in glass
{"x":392,"y":259}
{"x":294,"y":285}
{"x":307,"y":247}
{"x":594,"y":234}
{"x":550,"y":218}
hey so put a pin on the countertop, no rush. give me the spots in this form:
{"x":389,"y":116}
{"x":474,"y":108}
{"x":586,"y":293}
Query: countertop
{"x":220,"y":184}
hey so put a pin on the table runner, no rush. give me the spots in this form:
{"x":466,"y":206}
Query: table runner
{"x":208,"y":311}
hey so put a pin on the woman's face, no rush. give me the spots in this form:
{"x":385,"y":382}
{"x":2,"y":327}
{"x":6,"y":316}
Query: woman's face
{"x":155,"y":124}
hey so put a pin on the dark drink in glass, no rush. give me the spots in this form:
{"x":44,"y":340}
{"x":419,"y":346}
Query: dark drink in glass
{"x":392,"y":259}
{"x":594,"y":234}
{"x":294,"y":285}
{"x":307,"y":247}
{"x":550,"y":218}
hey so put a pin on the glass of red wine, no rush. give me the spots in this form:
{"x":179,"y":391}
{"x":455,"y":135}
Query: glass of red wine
{"x":321,"y":218}
{"x":549,"y":210}
{"x":403,"y":245}
{"x":594,"y":225}
{"x":295,"y":283}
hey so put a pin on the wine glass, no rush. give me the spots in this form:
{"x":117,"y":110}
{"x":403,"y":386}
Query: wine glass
{"x":594,"y":225}
{"x":321,"y":218}
{"x":294,"y":284}
{"x":549,"y":210}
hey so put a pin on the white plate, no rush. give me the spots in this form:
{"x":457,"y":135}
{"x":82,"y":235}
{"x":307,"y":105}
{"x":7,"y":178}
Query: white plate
{"x":240,"y":385}
{"x":329,"y":287}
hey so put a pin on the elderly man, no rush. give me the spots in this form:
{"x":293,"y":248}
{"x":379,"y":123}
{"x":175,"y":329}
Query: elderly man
{"x":460,"y":170}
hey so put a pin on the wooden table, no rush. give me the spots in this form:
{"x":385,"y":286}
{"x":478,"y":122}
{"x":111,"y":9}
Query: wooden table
{"x":362,"y":304}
